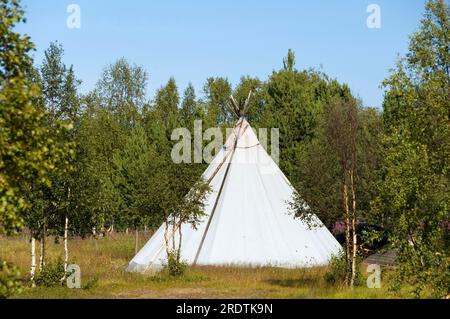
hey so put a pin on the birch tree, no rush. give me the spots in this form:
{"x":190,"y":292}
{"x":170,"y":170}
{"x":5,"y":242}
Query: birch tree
{"x":27,"y":149}
{"x":330,"y":165}
{"x":179,"y":192}
{"x":52,"y":203}
{"x":342,"y":134}
{"x":181,"y":198}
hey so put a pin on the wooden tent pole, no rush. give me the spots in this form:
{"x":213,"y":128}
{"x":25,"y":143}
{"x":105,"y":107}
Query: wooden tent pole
{"x":208,"y":182}
{"x":235,"y":106}
{"x":246,"y":104}
{"x":218,"y":194}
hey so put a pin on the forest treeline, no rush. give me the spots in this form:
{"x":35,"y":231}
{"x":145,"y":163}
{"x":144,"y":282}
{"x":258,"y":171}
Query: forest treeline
{"x":75,"y":164}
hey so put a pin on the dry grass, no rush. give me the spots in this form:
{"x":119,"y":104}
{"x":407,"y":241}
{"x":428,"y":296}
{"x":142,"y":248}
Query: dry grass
{"x":103,"y":261}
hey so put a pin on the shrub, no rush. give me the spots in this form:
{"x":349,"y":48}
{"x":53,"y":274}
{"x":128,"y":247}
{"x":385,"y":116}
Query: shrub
{"x":9,"y":280}
{"x":175,"y":267}
{"x":337,"y":270}
{"x":51,"y":275}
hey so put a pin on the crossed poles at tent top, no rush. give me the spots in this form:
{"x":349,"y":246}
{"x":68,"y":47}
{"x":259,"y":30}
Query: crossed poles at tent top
{"x":240,"y":110}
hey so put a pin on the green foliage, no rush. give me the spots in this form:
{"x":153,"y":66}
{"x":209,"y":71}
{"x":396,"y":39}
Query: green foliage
{"x":189,"y":108}
{"x":111,"y":114}
{"x":295,"y":101}
{"x":413,"y":191}
{"x":122,"y":89}
{"x":289,"y":61}
{"x":166,"y":107}
{"x":90,"y":284}
{"x":29,"y":151}
{"x":318,"y":164}
{"x":320,"y":187}
{"x":10,"y":280}
{"x":52,"y":275}
{"x":217,"y":92}
{"x":338,"y":269}
{"x":59,"y":85}
{"x":134,"y":171}
{"x":175,"y":267}
{"x":99,"y":136}
{"x":257,"y":101}
{"x":104,"y":159}
{"x":187,"y":277}
{"x":417,"y":202}
{"x":51,"y":203}
{"x":371,"y":237}
{"x":369,"y":161}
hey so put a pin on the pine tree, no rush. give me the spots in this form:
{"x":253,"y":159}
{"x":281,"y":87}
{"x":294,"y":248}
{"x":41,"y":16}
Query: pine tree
{"x":134,"y":168}
{"x":166,"y":106}
{"x":189,"y":107}
{"x":294,"y":101}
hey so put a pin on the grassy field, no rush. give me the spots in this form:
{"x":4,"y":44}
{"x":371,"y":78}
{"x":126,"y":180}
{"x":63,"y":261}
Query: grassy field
{"x":103,"y":261}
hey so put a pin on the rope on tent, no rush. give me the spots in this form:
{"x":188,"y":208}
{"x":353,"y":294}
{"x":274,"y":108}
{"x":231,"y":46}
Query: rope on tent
{"x":218,"y":195}
{"x":224,"y":159}
{"x":245,"y":147}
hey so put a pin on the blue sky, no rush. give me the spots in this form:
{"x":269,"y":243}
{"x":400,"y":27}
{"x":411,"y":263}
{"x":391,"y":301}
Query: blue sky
{"x":192,"y":40}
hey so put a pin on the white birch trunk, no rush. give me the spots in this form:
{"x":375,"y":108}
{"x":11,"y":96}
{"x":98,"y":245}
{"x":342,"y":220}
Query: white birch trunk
{"x":179,"y":243}
{"x":166,"y":237}
{"x":136,"y":241}
{"x":347,"y":233}
{"x":33,"y":261}
{"x":355,"y":244}
{"x":173,"y":237}
{"x":66,"y":246}
{"x":44,"y":237}
{"x":42,"y":253}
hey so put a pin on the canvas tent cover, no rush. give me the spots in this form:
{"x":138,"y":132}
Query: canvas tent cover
{"x":246,"y":222}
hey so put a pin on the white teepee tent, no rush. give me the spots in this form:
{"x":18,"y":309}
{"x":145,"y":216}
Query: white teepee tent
{"x":246,"y":220}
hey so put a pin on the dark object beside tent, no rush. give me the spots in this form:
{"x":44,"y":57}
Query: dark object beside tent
{"x":363,"y":230}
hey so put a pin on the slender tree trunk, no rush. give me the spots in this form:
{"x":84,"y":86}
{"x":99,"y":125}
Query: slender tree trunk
{"x":355,"y":243}
{"x":66,"y":244}
{"x":347,"y":231}
{"x":136,"y":240}
{"x":66,"y":237}
{"x":179,"y":243}
{"x":42,"y":256}
{"x":33,"y":261}
{"x":166,"y":237}
{"x":173,"y":237}
{"x":41,"y":262}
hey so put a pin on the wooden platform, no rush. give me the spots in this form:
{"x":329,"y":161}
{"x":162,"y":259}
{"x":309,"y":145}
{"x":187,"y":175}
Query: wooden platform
{"x":383,"y":258}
